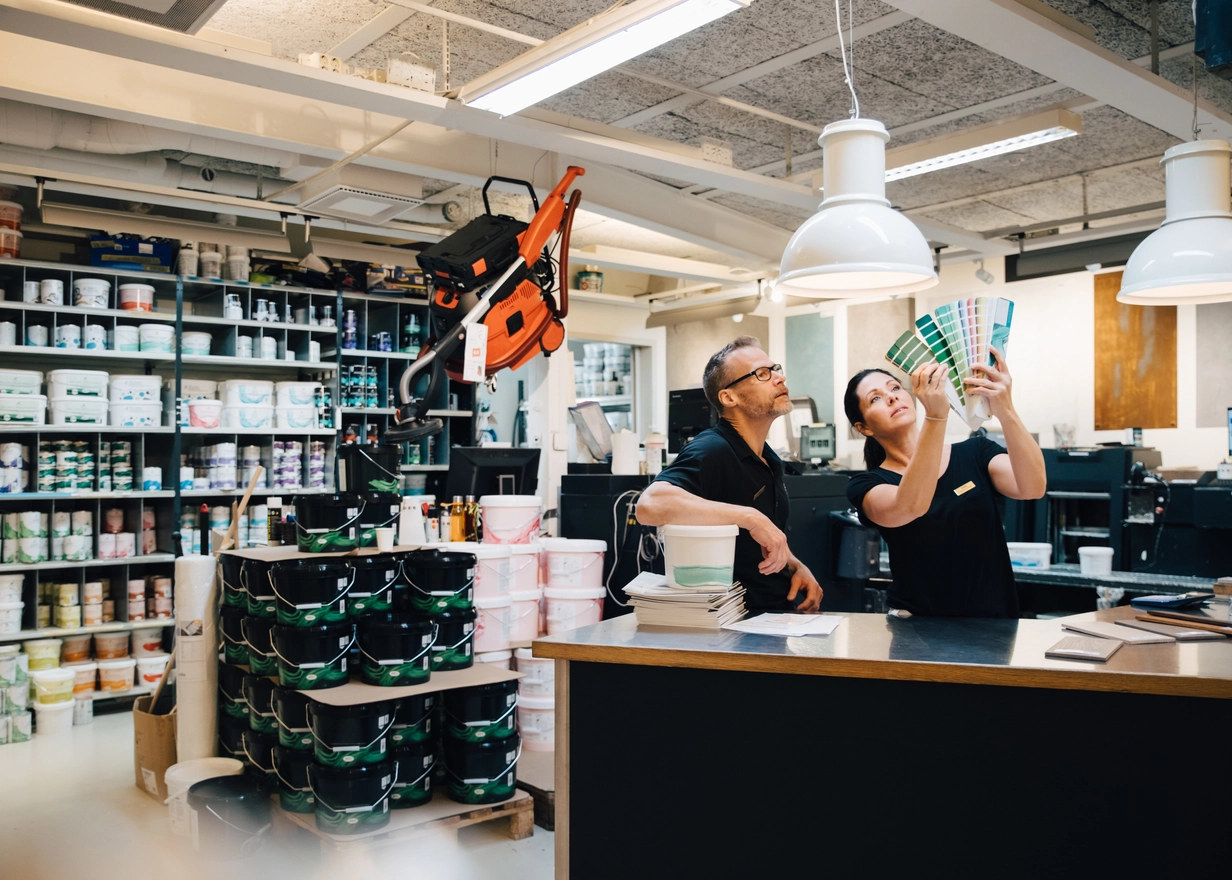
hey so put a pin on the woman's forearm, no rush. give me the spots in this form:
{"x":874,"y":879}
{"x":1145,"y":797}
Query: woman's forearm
{"x":1026,"y":459}
{"x":919,"y":483}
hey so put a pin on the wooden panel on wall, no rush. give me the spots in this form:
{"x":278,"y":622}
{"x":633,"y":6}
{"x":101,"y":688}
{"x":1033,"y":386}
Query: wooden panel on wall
{"x":1135,"y":361}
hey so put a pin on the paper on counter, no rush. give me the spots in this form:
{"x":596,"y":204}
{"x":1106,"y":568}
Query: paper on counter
{"x":788,"y":624}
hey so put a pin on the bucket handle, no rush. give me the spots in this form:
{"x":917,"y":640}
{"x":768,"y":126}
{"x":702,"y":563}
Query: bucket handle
{"x":248,"y":755}
{"x":378,"y":467}
{"x":352,"y":521}
{"x":516,"y":528}
{"x":417,"y":588}
{"x":390,"y":583}
{"x":244,"y":632}
{"x":251,"y":834}
{"x":483,"y":723}
{"x":435,"y":629}
{"x":367,"y":809}
{"x":314,"y":665}
{"x":469,"y":635}
{"x":278,"y":718}
{"x":345,"y":590}
{"x":517,"y":758}
{"x":283,"y":779}
{"x":431,"y":767}
{"x":351,"y":748}
{"x":231,"y":640}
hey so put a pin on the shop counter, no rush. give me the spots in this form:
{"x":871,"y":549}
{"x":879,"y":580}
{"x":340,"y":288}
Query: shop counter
{"x":892,"y":747}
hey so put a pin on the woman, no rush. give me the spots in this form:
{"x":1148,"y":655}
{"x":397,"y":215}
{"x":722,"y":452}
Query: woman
{"x":935,"y":503}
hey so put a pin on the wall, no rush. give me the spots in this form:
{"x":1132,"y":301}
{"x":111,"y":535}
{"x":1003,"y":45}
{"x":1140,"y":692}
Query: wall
{"x":1214,"y":353}
{"x":809,"y":360}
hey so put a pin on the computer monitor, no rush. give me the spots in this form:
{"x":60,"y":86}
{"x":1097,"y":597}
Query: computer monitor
{"x":817,"y":442}
{"x":486,"y":470}
{"x":594,"y":430}
{"x":688,"y":414}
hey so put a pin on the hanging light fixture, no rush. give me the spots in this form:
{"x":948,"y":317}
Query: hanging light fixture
{"x":1189,"y":258}
{"x":856,"y":245}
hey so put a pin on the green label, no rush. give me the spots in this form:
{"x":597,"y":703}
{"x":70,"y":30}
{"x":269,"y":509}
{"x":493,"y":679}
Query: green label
{"x":262,"y":723}
{"x":480,"y":732}
{"x":452,"y":658}
{"x":262,"y":665}
{"x":367,"y":604}
{"x":291,"y":616}
{"x":234,"y":598}
{"x":326,"y":542}
{"x":237,"y":655}
{"x":334,"y":822}
{"x":262,"y":607}
{"x":405,"y":796}
{"x":413,"y":733}
{"x":310,"y":679}
{"x":21,"y":730}
{"x":336,"y":758}
{"x":299,"y":740}
{"x":484,"y":793}
{"x":460,"y":601}
{"x":235,"y":709}
{"x":400,"y":674}
{"x":294,"y":800}
{"x":702,"y":575}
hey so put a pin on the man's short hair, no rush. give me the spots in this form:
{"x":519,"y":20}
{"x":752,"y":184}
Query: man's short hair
{"x":715,"y":375}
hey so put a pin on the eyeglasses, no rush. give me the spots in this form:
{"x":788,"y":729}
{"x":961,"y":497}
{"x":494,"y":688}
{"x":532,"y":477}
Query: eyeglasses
{"x":762,"y":374}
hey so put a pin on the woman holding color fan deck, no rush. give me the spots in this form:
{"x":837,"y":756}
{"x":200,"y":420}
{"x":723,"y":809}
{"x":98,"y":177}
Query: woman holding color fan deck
{"x":935,"y":502}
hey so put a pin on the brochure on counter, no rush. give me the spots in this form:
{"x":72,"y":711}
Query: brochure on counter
{"x":788,"y":624}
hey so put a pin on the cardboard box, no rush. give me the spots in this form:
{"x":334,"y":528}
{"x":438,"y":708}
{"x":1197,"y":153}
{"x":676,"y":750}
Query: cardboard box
{"x":153,"y":748}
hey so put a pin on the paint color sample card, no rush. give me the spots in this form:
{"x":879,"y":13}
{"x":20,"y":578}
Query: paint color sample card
{"x":1108,"y":630}
{"x":1083,"y":648}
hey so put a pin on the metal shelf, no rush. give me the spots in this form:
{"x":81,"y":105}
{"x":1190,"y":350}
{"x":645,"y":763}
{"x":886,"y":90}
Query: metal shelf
{"x":1085,"y":533}
{"x":92,"y":271}
{"x":385,"y":298}
{"x":89,"y":563}
{"x":117,"y":695}
{"x":368,"y":411}
{"x":86,"y":496}
{"x":211,"y":321}
{"x":27,"y":428}
{"x":87,"y":354}
{"x":216,"y":283}
{"x":365,"y":353}
{"x":239,"y":493}
{"x":1095,"y":496}
{"x":264,"y":432}
{"x":56,"y":632}
{"x":451,"y":413}
{"x":61,"y":311}
{"x":226,"y":362}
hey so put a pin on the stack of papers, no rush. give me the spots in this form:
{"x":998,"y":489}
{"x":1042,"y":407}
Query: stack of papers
{"x":788,"y":624}
{"x":657,"y":604}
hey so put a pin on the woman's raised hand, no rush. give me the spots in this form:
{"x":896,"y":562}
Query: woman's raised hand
{"x":928,"y":384}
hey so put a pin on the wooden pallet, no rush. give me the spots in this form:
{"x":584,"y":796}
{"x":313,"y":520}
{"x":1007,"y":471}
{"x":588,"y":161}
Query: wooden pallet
{"x":536,"y":776}
{"x":440,"y":813}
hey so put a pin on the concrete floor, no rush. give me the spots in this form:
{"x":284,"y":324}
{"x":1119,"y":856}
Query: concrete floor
{"x":70,"y":810}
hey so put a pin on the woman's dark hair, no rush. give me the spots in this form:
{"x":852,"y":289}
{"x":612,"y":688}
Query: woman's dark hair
{"x":874,"y":454}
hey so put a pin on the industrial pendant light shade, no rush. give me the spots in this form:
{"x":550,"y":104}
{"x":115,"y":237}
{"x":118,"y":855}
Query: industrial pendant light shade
{"x":1189,"y":258}
{"x":856,"y":245}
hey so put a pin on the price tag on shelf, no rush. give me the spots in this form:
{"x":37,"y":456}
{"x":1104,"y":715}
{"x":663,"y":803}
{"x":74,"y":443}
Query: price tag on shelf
{"x":475,"y":362}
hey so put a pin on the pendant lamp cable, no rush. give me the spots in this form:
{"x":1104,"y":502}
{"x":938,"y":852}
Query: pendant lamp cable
{"x":842,"y":50}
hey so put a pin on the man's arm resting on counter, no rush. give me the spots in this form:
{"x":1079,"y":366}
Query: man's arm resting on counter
{"x":662,"y":503}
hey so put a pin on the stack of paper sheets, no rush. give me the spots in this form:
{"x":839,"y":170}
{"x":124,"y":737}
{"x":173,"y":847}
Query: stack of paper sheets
{"x":657,"y":604}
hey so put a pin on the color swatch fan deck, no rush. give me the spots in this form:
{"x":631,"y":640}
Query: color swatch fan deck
{"x":957,"y":335}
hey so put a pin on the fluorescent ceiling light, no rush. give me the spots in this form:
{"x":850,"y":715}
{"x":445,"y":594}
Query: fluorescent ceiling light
{"x":596,"y":45}
{"x":981,"y":142}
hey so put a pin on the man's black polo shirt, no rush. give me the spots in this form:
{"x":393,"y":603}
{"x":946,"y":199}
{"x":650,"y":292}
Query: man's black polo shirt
{"x":718,"y":465}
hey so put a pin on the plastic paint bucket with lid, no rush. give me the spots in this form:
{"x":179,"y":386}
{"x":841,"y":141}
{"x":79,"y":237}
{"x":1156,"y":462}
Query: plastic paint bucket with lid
{"x":571,"y":609}
{"x":258,"y":748}
{"x":525,"y":611}
{"x":258,"y":693}
{"x":455,"y":635}
{"x":261,"y":657}
{"x":440,"y":580}
{"x":255,"y":579}
{"x":291,"y":712}
{"x":501,"y":659}
{"x":539,"y":674}
{"x":699,"y":557}
{"x":179,"y":777}
{"x":311,"y":592}
{"x":313,"y":657}
{"x":394,"y":649}
{"x":482,"y":712}
{"x":346,"y":735}
{"x":231,"y":622}
{"x":111,"y":646}
{"x":84,"y":675}
{"x":573,"y":563}
{"x":53,"y":718}
{"x":327,"y":523}
{"x":364,"y":468}
{"x":1095,"y":560}
{"x":75,"y":649}
{"x":352,"y":799}
{"x":16,"y":697}
{"x":233,"y":594}
{"x":147,"y":642}
{"x":150,"y":669}
{"x":481,"y":772}
{"x":116,"y":675}
{"x":231,"y":816}
{"x":291,"y":772}
{"x":413,"y":720}
{"x":413,"y":785}
{"x":537,"y":723}
{"x":380,"y":511}
{"x":375,"y":580}
{"x":231,"y":736}
{"x":493,"y":568}
{"x":494,"y":624}
{"x":524,"y":567}
{"x":231,"y":692}
{"x":510,"y":519}
{"x":44,"y":653}
{"x":52,"y":685}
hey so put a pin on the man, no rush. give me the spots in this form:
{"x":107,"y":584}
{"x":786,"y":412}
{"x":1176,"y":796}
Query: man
{"x":727,"y":475}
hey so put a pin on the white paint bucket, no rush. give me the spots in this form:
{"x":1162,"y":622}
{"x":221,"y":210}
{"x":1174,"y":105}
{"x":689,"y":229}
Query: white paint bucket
{"x":1095,"y":560}
{"x":91,"y":293}
{"x":570,"y":609}
{"x":52,"y":685}
{"x":125,"y":337}
{"x":53,"y":718}
{"x":43,"y":653}
{"x":10,"y":617}
{"x":83,"y":709}
{"x":493,"y":624}
{"x":573,"y":563}
{"x":539,"y":674}
{"x":84,"y":675}
{"x":150,"y":669}
{"x":116,"y":675}
{"x":147,"y":642}
{"x":502,"y":659}
{"x":525,"y":611}
{"x":137,"y":297}
{"x":524,"y":567}
{"x":699,"y":557}
{"x":180,"y":777}
{"x":537,"y":723}
{"x":10,"y":587}
{"x":156,"y":337}
{"x":510,"y":519}
{"x":491,"y":569}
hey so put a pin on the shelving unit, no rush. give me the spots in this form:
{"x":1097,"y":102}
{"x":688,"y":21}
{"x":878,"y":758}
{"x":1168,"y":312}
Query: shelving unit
{"x":56,"y":632}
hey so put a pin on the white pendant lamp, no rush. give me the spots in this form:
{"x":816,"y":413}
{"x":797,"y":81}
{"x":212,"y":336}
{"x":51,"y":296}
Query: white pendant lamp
{"x":1189,"y":258}
{"x":856,"y":245}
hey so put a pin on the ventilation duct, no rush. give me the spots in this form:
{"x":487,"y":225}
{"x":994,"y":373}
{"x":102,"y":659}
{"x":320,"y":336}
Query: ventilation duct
{"x":364,"y":195}
{"x":186,"y":16}
{"x":701,"y":308}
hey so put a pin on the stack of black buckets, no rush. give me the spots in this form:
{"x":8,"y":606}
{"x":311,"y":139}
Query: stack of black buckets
{"x":390,"y":619}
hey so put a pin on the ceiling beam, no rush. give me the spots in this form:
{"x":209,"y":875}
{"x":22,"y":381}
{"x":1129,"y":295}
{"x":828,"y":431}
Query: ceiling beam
{"x":1025,"y":36}
{"x":371,"y":31}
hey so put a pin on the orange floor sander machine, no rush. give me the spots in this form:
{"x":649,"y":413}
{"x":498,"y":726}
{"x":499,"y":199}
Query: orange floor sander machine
{"x":499,"y":272}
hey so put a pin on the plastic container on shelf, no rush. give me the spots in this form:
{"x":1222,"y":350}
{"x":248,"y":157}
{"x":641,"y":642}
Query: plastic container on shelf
{"x":494,"y":624}
{"x":10,"y":587}
{"x":75,"y":648}
{"x":501,"y":659}
{"x":147,"y":642}
{"x":10,"y":215}
{"x":10,"y":617}
{"x":136,"y":414}
{"x":525,"y":611}
{"x":52,"y":685}
{"x":492,"y":568}
{"x":53,"y":718}
{"x":85,"y":675}
{"x":195,"y":343}
{"x":573,"y":563}
{"x":27,"y":409}
{"x":110,"y":646}
{"x":537,"y":722}
{"x":538,"y":673}
{"x":209,"y":264}
{"x":570,"y":609}
{"x":248,"y":416}
{"x":91,"y":293}
{"x":74,"y":383}
{"x":1095,"y":561}
{"x":136,"y":297}
{"x":20,"y":381}
{"x":524,"y":567}
{"x":116,"y":675}
{"x":511,"y":519}
{"x":157,"y":337}
{"x":10,"y":243}
{"x":297,"y":393}
{"x":302,"y":417}
{"x":130,"y":388}
{"x":43,"y":653}
{"x":246,"y":392}
{"x":204,"y":413}
{"x":151,"y":668}
{"x":1028,"y":554}
{"x":78,"y":410}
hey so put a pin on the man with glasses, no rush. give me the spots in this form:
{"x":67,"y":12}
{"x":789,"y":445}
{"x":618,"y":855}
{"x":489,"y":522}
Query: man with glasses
{"x":728,"y":475}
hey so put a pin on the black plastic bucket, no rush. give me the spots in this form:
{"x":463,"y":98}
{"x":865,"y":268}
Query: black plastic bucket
{"x":413,"y":720}
{"x":233,"y":815}
{"x":311,"y":592}
{"x":261,"y":657}
{"x":413,"y":786}
{"x":291,"y":774}
{"x":347,"y":735}
{"x":395,"y":649}
{"x":483,"y":712}
{"x":481,"y":772}
{"x":232,"y":587}
{"x":365,"y":467}
{"x":455,"y":637}
{"x":259,"y":748}
{"x":231,"y":737}
{"x":380,"y":512}
{"x":440,"y":580}
{"x":257,"y":693}
{"x":291,"y":712}
{"x":376,"y":578}
{"x":254,"y":576}
{"x":231,"y":621}
{"x":313,"y":657}
{"x":327,"y":523}
{"x":231,"y":692}
{"x":353,"y":799}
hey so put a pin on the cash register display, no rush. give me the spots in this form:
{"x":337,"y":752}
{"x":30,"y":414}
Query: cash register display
{"x":817,"y":442}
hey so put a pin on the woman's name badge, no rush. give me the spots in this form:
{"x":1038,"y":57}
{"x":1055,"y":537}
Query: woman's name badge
{"x":964,"y":488}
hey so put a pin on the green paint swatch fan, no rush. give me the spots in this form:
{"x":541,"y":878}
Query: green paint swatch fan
{"x":957,"y":336}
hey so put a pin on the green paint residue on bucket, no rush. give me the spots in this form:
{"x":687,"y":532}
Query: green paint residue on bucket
{"x":335,"y":613}
{"x":406,"y":796}
{"x":386,"y":486}
{"x":237,"y":655}
{"x":372,"y":754}
{"x":326,"y":542}
{"x":463,"y":600}
{"x":234,"y":708}
{"x":299,"y":740}
{"x":262,"y":665}
{"x":262,"y":723}
{"x":702,"y":575}
{"x":263,"y":606}
{"x":480,"y":732}
{"x":413,"y":733}
{"x":446,"y":659}
{"x":294,"y":800}
{"x":234,"y":598}
{"x":370,"y":605}
{"x":483,"y":793}
{"x":335,"y":822}
{"x":311,"y":679}
{"x":415,"y":672}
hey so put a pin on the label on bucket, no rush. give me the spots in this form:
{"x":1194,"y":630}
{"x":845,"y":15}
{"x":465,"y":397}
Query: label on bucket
{"x":389,"y":673}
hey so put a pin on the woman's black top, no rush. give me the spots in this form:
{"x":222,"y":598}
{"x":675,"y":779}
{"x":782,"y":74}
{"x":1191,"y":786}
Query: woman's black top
{"x":952,"y":561}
